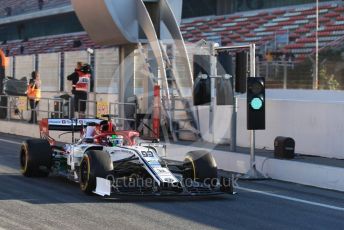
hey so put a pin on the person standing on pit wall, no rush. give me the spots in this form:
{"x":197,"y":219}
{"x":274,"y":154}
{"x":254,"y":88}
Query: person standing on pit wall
{"x":34,"y":95}
{"x":81,"y":86}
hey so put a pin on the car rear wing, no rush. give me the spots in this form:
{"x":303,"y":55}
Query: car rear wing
{"x":66,"y":125}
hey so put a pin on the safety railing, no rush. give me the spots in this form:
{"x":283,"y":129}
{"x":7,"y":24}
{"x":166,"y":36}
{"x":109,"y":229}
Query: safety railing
{"x":18,"y":108}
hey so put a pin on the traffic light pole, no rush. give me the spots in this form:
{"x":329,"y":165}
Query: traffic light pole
{"x":253,"y":133}
{"x":234,"y":124}
{"x":235,"y":99}
{"x":253,"y":173}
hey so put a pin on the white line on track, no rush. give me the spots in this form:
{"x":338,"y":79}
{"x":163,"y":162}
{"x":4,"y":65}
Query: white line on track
{"x":292,"y":199}
{"x":11,"y":142}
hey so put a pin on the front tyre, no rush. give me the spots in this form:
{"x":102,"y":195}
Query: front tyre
{"x":201,"y":166}
{"x":35,"y":158}
{"x":95,"y":163}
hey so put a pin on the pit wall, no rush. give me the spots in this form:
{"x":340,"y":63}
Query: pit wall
{"x":314,"y":119}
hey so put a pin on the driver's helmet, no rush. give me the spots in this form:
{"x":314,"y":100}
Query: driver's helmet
{"x":115,"y":140}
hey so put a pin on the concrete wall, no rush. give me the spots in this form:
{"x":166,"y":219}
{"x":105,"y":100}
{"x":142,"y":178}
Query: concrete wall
{"x":107,"y":70}
{"x":49,"y":69}
{"x":222,"y":124}
{"x":24,"y":65}
{"x":313,"y":118}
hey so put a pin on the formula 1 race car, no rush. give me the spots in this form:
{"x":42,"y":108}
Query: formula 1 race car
{"x":106,"y":161}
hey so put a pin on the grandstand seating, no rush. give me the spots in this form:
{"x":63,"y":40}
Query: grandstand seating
{"x":27,"y":6}
{"x":49,"y":44}
{"x":262,"y":27}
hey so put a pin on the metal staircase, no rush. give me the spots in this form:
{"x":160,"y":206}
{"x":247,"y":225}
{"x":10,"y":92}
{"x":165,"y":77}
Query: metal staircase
{"x":181,"y":111}
{"x":177,"y":112}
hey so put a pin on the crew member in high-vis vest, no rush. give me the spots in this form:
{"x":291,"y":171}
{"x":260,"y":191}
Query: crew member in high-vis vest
{"x":34,"y":94}
{"x":81,"y":79}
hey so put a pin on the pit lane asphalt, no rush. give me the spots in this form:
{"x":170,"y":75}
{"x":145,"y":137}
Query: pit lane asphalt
{"x":55,"y":203}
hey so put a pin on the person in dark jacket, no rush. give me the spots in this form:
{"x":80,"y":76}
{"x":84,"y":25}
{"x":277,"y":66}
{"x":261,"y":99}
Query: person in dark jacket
{"x":80,"y":79}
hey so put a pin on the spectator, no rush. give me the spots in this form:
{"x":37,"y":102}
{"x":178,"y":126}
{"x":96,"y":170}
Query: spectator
{"x":81,"y":86}
{"x":34,"y":95}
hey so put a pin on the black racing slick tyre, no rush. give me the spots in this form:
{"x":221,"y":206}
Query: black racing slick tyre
{"x":35,"y":158}
{"x":202,"y":166}
{"x":95,"y":163}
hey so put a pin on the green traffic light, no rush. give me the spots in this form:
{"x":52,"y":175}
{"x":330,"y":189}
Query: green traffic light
{"x":256,"y":103}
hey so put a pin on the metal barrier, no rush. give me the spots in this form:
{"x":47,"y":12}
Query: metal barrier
{"x":54,"y":108}
{"x":10,"y":105}
{"x":59,"y":111}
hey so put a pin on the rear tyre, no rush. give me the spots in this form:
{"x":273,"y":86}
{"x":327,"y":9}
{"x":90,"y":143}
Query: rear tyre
{"x":35,"y":158}
{"x":95,"y":163}
{"x":202,"y":166}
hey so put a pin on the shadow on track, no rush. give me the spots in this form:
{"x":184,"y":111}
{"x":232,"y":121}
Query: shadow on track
{"x":52,"y":190}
